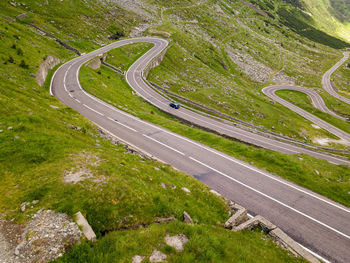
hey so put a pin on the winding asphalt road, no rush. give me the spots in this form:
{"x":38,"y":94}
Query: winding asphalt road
{"x":313,"y":220}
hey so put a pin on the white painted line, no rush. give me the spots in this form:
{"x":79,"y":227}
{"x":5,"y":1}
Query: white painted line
{"x":313,"y":253}
{"x":167,"y":146}
{"x":77,"y":100}
{"x":124,"y":125}
{"x":93,"y":110}
{"x":271,"y":198}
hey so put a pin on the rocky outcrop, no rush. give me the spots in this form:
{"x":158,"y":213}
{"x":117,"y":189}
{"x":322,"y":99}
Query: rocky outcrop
{"x":178,"y":242}
{"x":94,"y":63}
{"x":157,"y":256}
{"x":46,"y":237}
{"x":49,"y":63}
{"x":154,"y":62}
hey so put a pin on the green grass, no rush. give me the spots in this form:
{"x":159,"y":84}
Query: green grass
{"x":39,"y":144}
{"x":332,"y":182}
{"x":124,"y":58}
{"x":206,"y":244}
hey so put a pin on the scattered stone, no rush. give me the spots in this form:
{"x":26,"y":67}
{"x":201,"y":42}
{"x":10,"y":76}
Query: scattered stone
{"x":187,"y":218}
{"x":317,"y":172}
{"x":157,"y":256}
{"x":165,"y":220}
{"x":1,"y":131}
{"x":16,"y":137}
{"x":34,"y":202}
{"x":163,"y":185}
{"x":186,"y":189}
{"x":87,"y":230}
{"x":138,"y":259}
{"x":9,"y":128}
{"x":23,"y":206}
{"x":178,"y":242}
{"x":54,"y":107}
{"x":214,"y":192}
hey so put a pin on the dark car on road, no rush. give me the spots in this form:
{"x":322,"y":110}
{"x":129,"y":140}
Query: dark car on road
{"x":174,"y":105}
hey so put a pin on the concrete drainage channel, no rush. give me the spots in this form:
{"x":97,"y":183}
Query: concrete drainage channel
{"x":240,"y":220}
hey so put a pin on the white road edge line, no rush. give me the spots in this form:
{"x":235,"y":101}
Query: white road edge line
{"x":167,"y":146}
{"x":126,"y":126}
{"x":271,"y":198}
{"x":93,"y":110}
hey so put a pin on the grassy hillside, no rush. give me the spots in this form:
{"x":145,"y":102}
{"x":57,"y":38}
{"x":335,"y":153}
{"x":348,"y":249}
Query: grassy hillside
{"x":43,"y":142}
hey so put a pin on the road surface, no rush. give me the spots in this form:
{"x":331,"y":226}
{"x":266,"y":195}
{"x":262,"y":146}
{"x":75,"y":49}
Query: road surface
{"x":312,"y":220}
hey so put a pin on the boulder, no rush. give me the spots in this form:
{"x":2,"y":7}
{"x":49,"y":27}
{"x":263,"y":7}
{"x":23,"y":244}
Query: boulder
{"x":157,"y":256}
{"x":187,"y":218}
{"x":178,"y":242}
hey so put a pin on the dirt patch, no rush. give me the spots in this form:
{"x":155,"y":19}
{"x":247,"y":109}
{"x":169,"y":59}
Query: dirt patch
{"x":83,"y":169}
{"x":328,"y":141}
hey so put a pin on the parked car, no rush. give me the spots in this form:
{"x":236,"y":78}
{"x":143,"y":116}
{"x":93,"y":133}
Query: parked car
{"x":174,"y":105}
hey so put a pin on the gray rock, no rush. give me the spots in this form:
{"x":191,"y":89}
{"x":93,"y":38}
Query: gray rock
{"x":23,"y":206}
{"x":186,"y":189}
{"x":44,"y":68}
{"x":157,"y":256}
{"x":187,"y":218}
{"x":178,"y":242}
{"x":87,"y":230}
{"x":137,"y":259}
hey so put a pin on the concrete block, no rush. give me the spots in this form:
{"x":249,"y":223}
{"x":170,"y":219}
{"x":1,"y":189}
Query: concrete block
{"x":86,"y":228}
{"x":266,"y":225}
{"x":239,"y":217}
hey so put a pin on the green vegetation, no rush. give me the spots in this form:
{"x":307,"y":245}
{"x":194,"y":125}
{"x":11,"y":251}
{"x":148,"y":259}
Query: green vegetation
{"x":42,"y":141}
{"x":206,"y":244}
{"x":123,"y":58}
{"x":332,"y":180}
